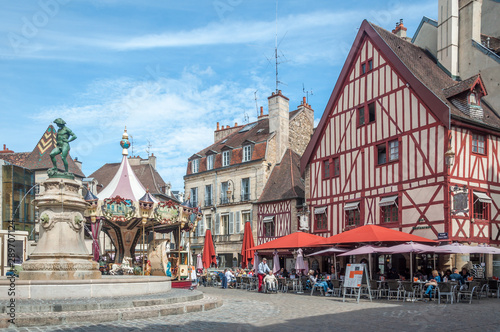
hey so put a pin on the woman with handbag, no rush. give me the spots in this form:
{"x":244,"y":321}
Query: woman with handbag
{"x":432,"y":283}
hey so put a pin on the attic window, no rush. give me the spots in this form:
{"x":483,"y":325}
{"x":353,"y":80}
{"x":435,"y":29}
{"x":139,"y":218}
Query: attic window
{"x":259,"y":131}
{"x":473,"y":99}
{"x":224,"y":141}
{"x":195,"y":165}
{"x":248,"y":127}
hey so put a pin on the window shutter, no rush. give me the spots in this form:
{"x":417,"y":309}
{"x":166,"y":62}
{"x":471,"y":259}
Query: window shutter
{"x":237,"y":222}
{"x":201,"y":226}
{"x":231,"y":223}
{"x":217,"y":224}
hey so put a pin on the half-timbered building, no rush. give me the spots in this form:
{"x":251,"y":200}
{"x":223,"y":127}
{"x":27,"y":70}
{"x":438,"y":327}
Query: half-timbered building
{"x":281,"y":203}
{"x":403,"y":145}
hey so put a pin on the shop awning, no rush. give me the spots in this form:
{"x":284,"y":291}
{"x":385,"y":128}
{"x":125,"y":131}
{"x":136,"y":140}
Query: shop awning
{"x":351,"y":206}
{"x":386,"y":201}
{"x":268,"y":219}
{"x":482,"y":197}
{"x":320,"y":210}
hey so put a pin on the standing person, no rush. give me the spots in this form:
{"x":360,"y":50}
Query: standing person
{"x":230,"y":279}
{"x":262,"y":271}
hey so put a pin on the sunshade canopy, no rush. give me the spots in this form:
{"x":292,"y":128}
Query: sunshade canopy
{"x":328,"y":252}
{"x":209,"y":251}
{"x":364,"y":250}
{"x":291,"y":241}
{"x":373,"y":234}
{"x":247,"y":255}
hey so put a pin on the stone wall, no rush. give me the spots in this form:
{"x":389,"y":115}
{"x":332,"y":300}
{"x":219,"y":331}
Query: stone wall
{"x":301,"y":130}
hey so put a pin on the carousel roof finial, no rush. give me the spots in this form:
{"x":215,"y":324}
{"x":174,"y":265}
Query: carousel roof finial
{"x":125,"y":144}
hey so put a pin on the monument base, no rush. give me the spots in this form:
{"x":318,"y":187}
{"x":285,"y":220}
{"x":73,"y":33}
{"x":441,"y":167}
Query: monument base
{"x":107,"y":286}
{"x":60,"y":267}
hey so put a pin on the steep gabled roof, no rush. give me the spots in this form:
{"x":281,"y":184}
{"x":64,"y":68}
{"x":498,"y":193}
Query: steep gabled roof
{"x":16,"y":158}
{"x":416,"y":66}
{"x":258,"y":133}
{"x":285,"y":181}
{"x":39,"y":158}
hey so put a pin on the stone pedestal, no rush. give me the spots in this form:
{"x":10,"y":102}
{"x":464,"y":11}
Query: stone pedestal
{"x":60,"y":253}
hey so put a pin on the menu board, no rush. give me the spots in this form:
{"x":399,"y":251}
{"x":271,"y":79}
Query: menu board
{"x":354,"y":275}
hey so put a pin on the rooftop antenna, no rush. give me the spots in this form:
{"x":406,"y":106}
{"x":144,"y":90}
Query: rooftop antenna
{"x":307,"y":93}
{"x":246,"y":118}
{"x":276,"y":56}
{"x":148,"y":148}
{"x":256,"y":105}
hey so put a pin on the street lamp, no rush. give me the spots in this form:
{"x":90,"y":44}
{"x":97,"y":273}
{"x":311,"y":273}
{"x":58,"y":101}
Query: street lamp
{"x":449,"y":156}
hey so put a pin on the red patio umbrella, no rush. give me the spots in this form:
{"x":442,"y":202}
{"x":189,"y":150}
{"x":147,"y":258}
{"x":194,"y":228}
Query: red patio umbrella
{"x":291,"y":241}
{"x":373,"y":233}
{"x":246,"y":253}
{"x":208,"y":251}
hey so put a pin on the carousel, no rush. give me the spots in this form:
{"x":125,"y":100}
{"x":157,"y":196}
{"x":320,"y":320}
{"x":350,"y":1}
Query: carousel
{"x":129,"y":215}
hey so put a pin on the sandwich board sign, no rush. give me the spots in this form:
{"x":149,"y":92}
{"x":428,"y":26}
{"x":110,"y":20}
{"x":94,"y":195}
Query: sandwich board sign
{"x":356,"y":277}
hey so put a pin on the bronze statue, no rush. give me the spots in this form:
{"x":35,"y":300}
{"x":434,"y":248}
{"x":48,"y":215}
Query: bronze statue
{"x":64,"y":136}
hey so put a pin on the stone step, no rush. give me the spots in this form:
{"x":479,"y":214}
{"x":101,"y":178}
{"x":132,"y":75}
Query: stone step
{"x":62,"y":305}
{"x":150,"y":310}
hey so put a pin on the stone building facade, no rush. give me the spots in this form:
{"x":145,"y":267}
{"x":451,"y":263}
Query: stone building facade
{"x":227,"y":178}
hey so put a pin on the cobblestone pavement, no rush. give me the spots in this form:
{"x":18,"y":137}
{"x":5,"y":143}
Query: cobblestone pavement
{"x":249,"y":311}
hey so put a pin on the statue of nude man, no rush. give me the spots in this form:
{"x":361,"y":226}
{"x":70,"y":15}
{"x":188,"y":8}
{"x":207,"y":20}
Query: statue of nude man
{"x":64,"y":136}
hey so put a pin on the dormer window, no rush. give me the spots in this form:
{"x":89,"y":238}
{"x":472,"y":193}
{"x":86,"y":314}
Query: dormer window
{"x":473,"y":99}
{"x":247,"y":153}
{"x":210,"y":162}
{"x":195,"y":166}
{"x":226,"y":158}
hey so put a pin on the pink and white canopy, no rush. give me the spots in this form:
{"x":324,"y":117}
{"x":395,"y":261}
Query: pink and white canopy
{"x":125,"y":183}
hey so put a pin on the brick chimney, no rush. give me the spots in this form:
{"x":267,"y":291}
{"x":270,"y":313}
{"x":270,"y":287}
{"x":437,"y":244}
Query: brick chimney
{"x":5,"y":150}
{"x":224,"y":131}
{"x":279,"y":122}
{"x":400,"y":30}
{"x":78,"y":163}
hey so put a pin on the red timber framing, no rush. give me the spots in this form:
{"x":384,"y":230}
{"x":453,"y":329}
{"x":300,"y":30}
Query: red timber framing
{"x":479,"y":173}
{"x":408,"y":113}
{"x":282,"y":213}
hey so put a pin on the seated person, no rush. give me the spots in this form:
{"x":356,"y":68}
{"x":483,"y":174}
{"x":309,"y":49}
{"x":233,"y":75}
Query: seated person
{"x":314,"y":281}
{"x":465,"y":274}
{"x":456,"y":276}
{"x":420,"y":275}
{"x":432,"y":283}
{"x":392,"y":274}
{"x":271,"y":282}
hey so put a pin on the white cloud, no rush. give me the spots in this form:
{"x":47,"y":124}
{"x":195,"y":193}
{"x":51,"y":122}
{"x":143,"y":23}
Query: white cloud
{"x":176,"y":115}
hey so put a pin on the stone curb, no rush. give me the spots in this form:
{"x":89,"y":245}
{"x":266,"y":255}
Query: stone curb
{"x":36,"y":308}
{"x":110,"y":315}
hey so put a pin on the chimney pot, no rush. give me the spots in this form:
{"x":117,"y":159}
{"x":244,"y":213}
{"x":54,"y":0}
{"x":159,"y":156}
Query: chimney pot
{"x":262,"y":111}
{"x":4,"y":147}
{"x":236,"y":124}
{"x":217,"y":126}
{"x":304,"y":100}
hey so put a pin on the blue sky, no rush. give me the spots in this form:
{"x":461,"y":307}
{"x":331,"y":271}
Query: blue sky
{"x":169,"y":70}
